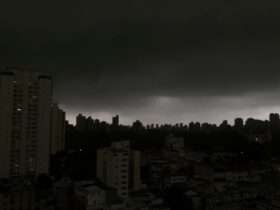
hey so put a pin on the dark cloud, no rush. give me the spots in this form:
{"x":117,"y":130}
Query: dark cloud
{"x":124,"y":56}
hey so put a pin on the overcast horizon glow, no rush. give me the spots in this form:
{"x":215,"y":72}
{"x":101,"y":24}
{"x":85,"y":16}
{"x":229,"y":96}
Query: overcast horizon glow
{"x":165,"y":110}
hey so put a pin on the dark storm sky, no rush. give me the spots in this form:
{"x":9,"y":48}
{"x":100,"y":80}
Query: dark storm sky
{"x":157,"y":61}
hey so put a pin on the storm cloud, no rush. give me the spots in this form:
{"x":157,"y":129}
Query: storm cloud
{"x":157,"y":61}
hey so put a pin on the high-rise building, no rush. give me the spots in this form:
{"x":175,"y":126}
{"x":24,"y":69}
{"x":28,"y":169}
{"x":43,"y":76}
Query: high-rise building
{"x":224,"y":124}
{"x":115,"y":120}
{"x":274,"y":120}
{"x":90,"y":123}
{"x":274,"y":117}
{"x":25,"y":107}
{"x":238,"y":123}
{"x":57,"y":129}
{"x":119,"y":167}
{"x":81,"y":123}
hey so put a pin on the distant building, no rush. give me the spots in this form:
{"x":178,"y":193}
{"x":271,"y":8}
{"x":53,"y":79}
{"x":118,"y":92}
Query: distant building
{"x":119,"y":167}
{"x":90,"y":123}
{"x":137,"y":125}
{"x":81,"y":122}
{"x":194,"y":127}
{"x":84,"y":123}
{"x":174,"y":143}
{"x":274,"y":117}
{"x":93,"y":195}
{"x":238,"y":123}
{"x":57,"y":129}
{"x":274,"y":120}
{"x":25,"y":111}
{"x":115,"y":120}
{"x":224,"y":124}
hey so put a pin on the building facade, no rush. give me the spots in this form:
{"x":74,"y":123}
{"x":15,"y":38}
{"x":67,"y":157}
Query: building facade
{"x":119,"y":167}
{"x":25,"y":108}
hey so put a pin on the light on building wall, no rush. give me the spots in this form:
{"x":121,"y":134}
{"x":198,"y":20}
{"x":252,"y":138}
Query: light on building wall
{"x":19,"y":109}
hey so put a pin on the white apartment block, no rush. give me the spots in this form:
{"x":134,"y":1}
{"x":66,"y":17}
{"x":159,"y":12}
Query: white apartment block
{"x":119,"y":167}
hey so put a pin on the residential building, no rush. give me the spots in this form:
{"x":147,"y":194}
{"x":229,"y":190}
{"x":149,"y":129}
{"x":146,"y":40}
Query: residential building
{"x":118,"y":166}
{"x":25,"y":110}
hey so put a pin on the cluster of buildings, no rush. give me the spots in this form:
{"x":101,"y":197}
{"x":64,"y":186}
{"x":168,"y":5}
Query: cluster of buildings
{"x":33,"y":129}
{"x":218,"y":180}
{"x":176,"y":177}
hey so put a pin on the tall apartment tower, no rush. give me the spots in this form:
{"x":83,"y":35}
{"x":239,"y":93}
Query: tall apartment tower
{"x":81,"y":123}
{"x":115,"y":120}
{"x":25,"y":107}
{"x":58,"y":126}
{"x":119,"y":167}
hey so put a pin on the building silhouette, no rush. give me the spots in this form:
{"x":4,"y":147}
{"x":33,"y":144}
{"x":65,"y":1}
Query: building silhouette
{"x":115,"y":120}
{"x":57,"y":143}
{"x":238,"y":123}
{"x":81,"y":123}
{"x":25,"y":111}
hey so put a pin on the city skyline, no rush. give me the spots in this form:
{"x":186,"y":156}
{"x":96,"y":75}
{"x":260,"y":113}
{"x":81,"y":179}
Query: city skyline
{"x":129,"y":121}
{"x":139,"y":105}
{"x":82,"y":119}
